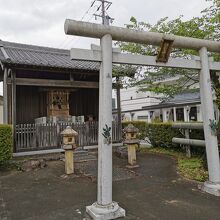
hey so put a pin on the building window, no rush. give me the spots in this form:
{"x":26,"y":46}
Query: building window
{"x":132,"y":116}
{"x":179,"y":114}
{"x":151,"y":114}
{"x":193,"y":114}
{"x":142,"y":117}
{"x":171,"y":115}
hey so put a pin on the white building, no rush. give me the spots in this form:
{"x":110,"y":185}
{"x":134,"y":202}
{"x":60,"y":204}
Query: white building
{"x":133,"y":101}
{"x":185,"y":106}
{"x":136,"y":105}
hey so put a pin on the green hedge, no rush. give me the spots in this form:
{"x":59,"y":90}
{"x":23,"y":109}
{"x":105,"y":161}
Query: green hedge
{"x":5,"y":143}
{"x":161,"y":134}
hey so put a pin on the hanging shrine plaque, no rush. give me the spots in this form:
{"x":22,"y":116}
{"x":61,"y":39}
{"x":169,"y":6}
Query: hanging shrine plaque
{"x":58,"y":103}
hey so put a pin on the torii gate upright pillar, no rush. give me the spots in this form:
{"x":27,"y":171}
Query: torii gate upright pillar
{"x":213,"y":185}
{"x":105,"y":208}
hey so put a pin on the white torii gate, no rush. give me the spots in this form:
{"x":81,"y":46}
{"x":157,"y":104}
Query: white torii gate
{"x":105,"y":208}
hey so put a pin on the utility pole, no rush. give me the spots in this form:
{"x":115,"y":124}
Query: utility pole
{"x":106,"y":20}
{"x":118,"y":93}
{"x":105,"y":5}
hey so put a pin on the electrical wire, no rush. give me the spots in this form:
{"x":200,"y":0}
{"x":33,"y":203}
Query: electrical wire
{"x":64,"y":44}
{"x":87,"y":11}
{"x":73,"y":41}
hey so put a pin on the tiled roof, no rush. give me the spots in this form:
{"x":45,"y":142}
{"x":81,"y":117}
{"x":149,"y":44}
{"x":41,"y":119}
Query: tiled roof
{"x":184,"y":98}
{"x":179,"y":99}
{"x":22,"y":54}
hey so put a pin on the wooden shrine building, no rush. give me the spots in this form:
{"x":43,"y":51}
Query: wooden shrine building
{"x":44,"y":90}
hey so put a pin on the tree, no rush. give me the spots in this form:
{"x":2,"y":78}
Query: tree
{"x":121,"y":72}
{"x":206,"y":26}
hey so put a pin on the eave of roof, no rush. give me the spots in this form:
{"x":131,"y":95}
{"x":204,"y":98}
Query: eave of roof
{"x":23,"y":55}
{"x":178,"y":100}
{"x":169,"y":105}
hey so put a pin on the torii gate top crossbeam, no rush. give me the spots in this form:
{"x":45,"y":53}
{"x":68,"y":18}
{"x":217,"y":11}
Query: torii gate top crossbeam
{"x":86,"y":29}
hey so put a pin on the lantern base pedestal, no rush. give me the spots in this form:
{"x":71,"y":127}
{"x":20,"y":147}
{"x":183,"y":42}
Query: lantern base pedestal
{"x":99,"y":212}
{"x":210,"y":187}
{"x":132,"y":163}
{"x":69,"y":163}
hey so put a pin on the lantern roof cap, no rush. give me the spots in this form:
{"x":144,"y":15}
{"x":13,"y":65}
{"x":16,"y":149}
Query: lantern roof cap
{"x":131,"y":129}
{"x":68,"y":131}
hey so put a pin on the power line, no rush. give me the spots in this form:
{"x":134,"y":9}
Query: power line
{"x":84,"y":15}
{"x":87,"y":11}
{"x":73,"y":40}
{"x":104,"y":6}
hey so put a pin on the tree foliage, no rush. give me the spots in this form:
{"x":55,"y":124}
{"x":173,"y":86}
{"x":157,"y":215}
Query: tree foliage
{"x":205,"y":26}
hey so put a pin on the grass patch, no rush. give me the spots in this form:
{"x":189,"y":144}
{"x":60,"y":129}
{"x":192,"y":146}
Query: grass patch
{"x":9,"y":167}
{"x":190,"y":168}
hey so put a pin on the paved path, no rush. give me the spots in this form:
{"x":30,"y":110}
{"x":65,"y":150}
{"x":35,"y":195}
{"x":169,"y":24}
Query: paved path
{"x":155,"y":191}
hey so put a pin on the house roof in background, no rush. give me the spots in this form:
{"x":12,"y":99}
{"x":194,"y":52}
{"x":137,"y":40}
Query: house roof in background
{"x":30,"y":55}
{"x":185,"y":97}
{"x":180,"y":99}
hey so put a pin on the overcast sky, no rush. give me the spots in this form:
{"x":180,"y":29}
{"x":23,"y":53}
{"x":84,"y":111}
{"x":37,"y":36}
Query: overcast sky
{"x":41,"y":22}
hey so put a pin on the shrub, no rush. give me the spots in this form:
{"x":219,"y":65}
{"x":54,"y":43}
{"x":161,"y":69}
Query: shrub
{"x":5,"y":143}
{"x":199,"y":135}
{"x":161,"y":134}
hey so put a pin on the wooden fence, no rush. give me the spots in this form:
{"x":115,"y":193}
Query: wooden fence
{"x":31,"y":137}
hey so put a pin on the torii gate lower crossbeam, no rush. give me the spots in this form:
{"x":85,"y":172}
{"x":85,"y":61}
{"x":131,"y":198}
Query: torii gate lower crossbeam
{"x":105,"y":208}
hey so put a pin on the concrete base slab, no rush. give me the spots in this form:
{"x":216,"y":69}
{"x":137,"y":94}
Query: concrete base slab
{"x":210,"y":187}
{"x":112,"y":211}
{"x":132,"y":166}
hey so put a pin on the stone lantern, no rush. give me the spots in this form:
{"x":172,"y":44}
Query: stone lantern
{"x":131,"y":141}
{"x":69,"y":144}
